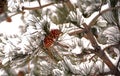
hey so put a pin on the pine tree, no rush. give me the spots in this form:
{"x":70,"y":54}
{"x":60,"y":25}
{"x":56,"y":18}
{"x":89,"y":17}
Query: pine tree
{"x":60,"y":38}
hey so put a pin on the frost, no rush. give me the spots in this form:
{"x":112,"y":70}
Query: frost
{"x":72,"y":54}
{"x":113,"y":35}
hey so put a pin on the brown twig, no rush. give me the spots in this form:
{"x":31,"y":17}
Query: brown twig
{"x":40,"y":7}
{"x":90,"y":36}
{"x":64,"y":46}
{"x":39,"y":2}
{"x":36,"y":8}
{"x":106,"y":73}
{"x":94,"y":20}
{"x":76,"y":32}
{"x":49,"y":53}
{"x":102,"y":12}
{"x":110,"y":46}
{"x":99,"y":52}
{"x":92,"y":57}
{"x":21,"y":12}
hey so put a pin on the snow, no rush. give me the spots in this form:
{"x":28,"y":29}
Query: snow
{"x":89,"y":19}
{"x":2,"y":72}
{"x":12,"y":28}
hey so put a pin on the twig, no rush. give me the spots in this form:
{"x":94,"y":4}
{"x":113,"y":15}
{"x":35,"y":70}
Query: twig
{"x":110,"y":46}
{"x":94,"y":20}
{"x":100,"y":53}
{"x":90,"y":36}
{"x":36,"y":8}
{"x":49,"y":53}
{"x":39,"y":3}
{"x":105,"y":73}
{"x":76,"y":32}
{"x":40,"y":7}
{"x":20,"y":12}
{"x":92,"y":57}
{"x":64,"y":46}
{"x":118,"y":62}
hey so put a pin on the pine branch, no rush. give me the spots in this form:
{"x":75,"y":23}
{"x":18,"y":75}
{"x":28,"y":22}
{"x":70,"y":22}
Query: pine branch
{"x":36,"y":8}
{"x":100,"y":13}
{"x":76,"y":32}
{"x":40,"y":7}
{"x":99,"y":52}
{"x":49,"y":53}
{"x":110,"y":46}
{"x":105,"y":73}
{"x":93,"y":21}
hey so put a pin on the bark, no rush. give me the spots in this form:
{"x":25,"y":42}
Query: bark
{"x":100,"y":53}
